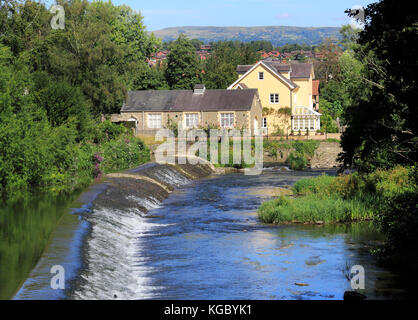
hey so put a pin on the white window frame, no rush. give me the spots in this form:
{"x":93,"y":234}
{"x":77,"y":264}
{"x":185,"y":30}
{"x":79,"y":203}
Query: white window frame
{"x":261,"y":75}
{"x":154,"y":120}
{"x":191,"y":120}
{"x":226,"y":120}
{"x":274,"y":98}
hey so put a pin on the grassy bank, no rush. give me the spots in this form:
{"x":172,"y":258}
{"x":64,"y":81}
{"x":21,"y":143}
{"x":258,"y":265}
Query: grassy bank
{"x":346,"y":198}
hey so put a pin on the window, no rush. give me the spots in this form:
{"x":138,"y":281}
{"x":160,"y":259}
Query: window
{"x":264,"y":122}
{"x":227,"y":120}
{"x":274,"y":98}
{"x":192,"y":120}
{"x":261,"y":76}
{"x":296,"y":124}
{"x":154,"y":121}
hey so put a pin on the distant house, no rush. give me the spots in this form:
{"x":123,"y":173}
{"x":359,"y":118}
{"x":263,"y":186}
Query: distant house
{"x":286,"y":94}
{"x":150,"y":110}
{"x":206,"y":47}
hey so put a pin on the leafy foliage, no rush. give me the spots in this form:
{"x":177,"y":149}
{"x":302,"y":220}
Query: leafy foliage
{"x":389,"y":197}
{"x":53,"y":84}
{"x":381,"y":121}
{"x":183,"y":69}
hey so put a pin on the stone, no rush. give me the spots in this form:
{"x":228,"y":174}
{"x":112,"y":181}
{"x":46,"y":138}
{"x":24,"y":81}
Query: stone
{"x":300,"y":284}
{"x":353,"y":295}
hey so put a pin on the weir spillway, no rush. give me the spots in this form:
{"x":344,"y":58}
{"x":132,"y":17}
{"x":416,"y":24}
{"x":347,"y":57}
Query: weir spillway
{"x":114,"y":262}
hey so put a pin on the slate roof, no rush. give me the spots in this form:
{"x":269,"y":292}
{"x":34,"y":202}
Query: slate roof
{"x":297,"y":70}
{"x":243,"y":68}
{"x":186,"y":100}
{"x":301,"y":70}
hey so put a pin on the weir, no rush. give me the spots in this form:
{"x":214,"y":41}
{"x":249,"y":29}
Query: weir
{"x":119,"y":225}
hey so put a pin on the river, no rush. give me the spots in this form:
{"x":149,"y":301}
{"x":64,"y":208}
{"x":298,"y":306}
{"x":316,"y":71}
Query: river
{"x":203,"y":241}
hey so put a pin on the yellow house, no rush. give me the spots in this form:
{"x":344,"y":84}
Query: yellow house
{"x":285,"y":91}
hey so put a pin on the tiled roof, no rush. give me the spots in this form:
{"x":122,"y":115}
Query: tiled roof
{"x":186,"y":100}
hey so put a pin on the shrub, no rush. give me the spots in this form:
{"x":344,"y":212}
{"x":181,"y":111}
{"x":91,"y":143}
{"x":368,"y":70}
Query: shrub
{"x":297,"y":162}
{"x":306,"y":148}
{"x":388,"y":195}
{"x":397,"y":217}
{"x":123,"y":153}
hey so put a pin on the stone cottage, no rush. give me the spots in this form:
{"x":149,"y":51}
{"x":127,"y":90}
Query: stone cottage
{"x":150,"y":110}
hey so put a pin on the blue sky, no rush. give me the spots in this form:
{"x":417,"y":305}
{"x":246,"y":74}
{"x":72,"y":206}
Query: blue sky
{"x":303,"y":13}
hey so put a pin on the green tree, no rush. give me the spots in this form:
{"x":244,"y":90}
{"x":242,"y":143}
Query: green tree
{"x":220,"y":68}
{"x":148,"y":78}
{"x":183,"y":68}
{"x":382,"y":121}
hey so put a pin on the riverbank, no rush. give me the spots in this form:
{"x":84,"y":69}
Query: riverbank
{"x":201,"y":239}
{"x":124,"y":191}
{"x":27,"y":219}
{"x":347,"y":198}
{"x":388,"y":197}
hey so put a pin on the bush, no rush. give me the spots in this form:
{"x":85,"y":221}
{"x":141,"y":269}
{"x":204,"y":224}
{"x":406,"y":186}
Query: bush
{"x":299,"y":158}
{"x":123,"y":153}
{"x":107,"y":130}
{"x":306,"y":148}
{"x":398,"y":219}
{"x":297,"y":162}
{"x":389,"y":196}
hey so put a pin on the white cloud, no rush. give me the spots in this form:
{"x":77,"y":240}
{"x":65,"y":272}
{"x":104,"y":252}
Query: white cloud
{"x":284,"y":16}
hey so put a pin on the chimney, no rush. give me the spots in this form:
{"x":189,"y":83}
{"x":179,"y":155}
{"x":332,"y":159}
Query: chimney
{"x":199,"y":89}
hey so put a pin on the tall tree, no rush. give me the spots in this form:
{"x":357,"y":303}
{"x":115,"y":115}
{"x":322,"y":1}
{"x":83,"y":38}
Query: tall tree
{"x":183,"y":68}
{"x":220,"y":68}
{"x":382,"y":128}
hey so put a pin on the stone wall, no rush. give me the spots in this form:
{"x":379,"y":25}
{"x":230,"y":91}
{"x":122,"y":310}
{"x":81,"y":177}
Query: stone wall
{"x":326,"y":155}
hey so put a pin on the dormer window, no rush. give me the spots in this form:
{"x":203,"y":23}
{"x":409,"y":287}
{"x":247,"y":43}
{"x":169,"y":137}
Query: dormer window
{"x":261,"y":76}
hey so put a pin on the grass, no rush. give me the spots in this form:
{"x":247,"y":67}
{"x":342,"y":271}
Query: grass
{"x":346,"y":198}
{"x":148,"y":140}
{"x":312,"y":209}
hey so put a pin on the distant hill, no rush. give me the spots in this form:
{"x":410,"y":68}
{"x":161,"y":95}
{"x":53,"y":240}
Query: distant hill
{"x":277,"y":35}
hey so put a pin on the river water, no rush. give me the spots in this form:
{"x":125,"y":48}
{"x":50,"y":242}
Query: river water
{"x":204,"y":241}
